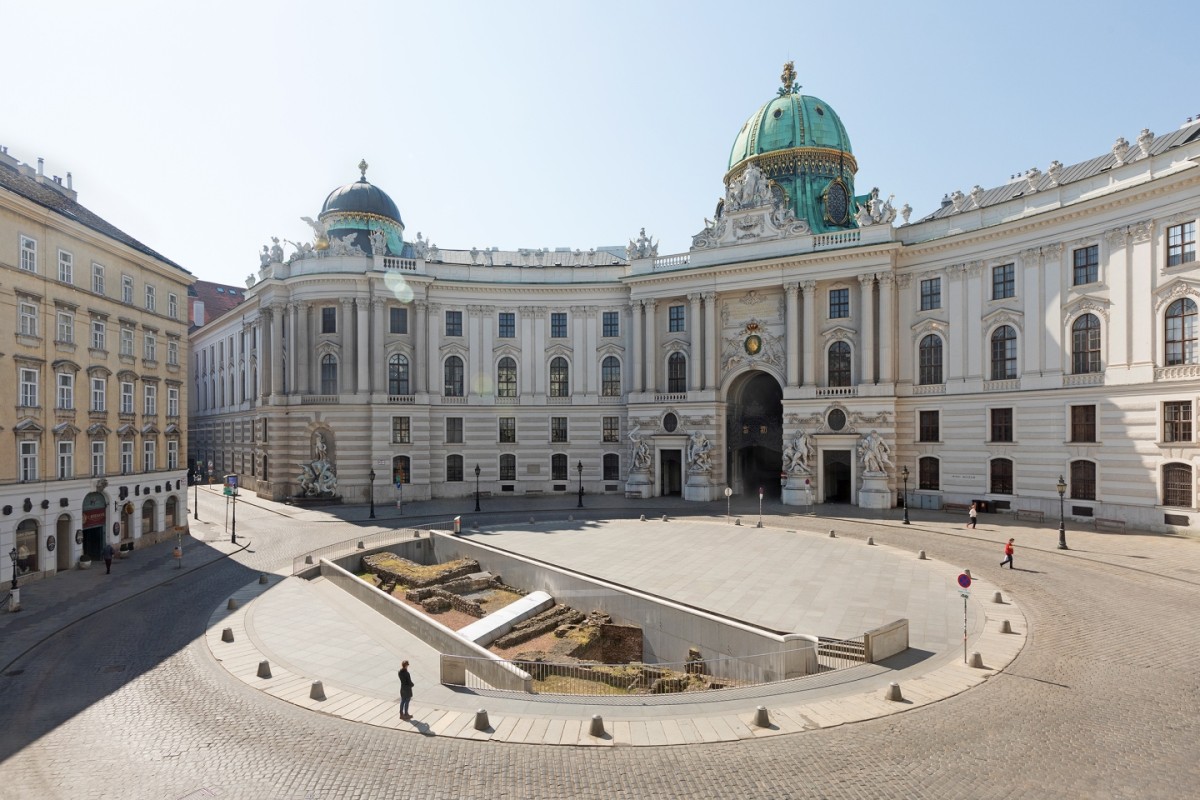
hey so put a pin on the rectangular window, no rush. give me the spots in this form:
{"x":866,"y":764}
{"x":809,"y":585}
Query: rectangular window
{"x":454,"y":469}
{"x":1001,"y":473}
{"x":328,"y":319}
{"x":97,"y":278}
{"x":66,"y":391}
{"x":172,"y":401}
{"x":508,"y":467}
{"x":558,"y":429}
{"x":173,"y":353}
{"x":1177,"y":485}
{"x":66,"y":327}
{"x":1177,"y":421}
{"x":401,"y":430}
{"x":508,"y":430}
{"x":126,"y":397}
{"x":150,"y":400}
{"x":172,"y":454}
{"x":610,"y":429}
{"x":28,"y":313}
{"x":99,"y":340}
{"x":127,"y":341}
{"x":66,"y":267}
{"x":454,"y":430}
{"x":558,"y":325}
{"x":454,"y":323}
{"x":1003,"y":281}
{"x":1181,"y":244}
{"x":66,"y":460}
{"x":148,"y":454}
{"x":1083,"y":480}
{"x":931,"y":293}
{"x":1002,"y":425}
{"x":929,"y":427}
{"x":1087,"y":265}
{"x":612,"y":324}
{"x":151,"y":298}
{"x":173,"y":305}
{"x":558,"y":467}
{"x":127,"y":289}
{"x":99,"y":389}
{"x":675,"y":319}
{"x":1083,"y":423}
{"x":29,"y":388}
{"x":507,"y":325}
{"x":929,"y":477}
{"x":29,"y":461}
{"x":397,"y":320}
{"x":839,"y":303}
{"x":127,"y":457}
{"x":28,"y":254}
{"x":98,"y":459}
{"x":612,"y":467}
{"x":150,"y":347}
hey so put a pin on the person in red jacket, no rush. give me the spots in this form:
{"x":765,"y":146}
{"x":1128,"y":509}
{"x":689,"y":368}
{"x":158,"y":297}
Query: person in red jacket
{"x":1008,"y":554}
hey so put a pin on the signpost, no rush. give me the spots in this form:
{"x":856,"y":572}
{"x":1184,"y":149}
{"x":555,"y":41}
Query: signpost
{"x":231,"y":486}
{"x":964,"y":582}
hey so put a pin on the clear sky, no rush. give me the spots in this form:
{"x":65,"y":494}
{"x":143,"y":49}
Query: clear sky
{"x":204,"y":128}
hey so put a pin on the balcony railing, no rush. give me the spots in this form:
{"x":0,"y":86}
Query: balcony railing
{"x":1084,"y":379}
{"x":671,"y":397}
{"x":319,"y":399}
{"x":837,"y":391}
{"x":930,"y":388}
{"x":405,"y":264}
{"x":401,"y":399}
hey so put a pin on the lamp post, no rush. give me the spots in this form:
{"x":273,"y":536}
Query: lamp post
{"x":476,"y":487}
{"x":196,"y":502}
{"x":904,"y":474}
{"x":579,"y":469}
{"x":371,"y":489}
{"x":728,"y":494}
{"x":233,"y":524}
{"x":13,"y":555}
{"x":1062,"y":527}
{"x":760,"y":498}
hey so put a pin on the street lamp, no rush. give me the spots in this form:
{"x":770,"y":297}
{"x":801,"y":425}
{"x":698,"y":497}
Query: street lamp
{"x":13,"y":555}
{"x":728,"y":494}
{"x":371,"y":489}
{"x":476,"y":487}
{"x":1062,"y":527}
{"x":904,"y":474}
{"x":196,"y":502}
{"x":760,"y":497}
{"x":579,"y":469}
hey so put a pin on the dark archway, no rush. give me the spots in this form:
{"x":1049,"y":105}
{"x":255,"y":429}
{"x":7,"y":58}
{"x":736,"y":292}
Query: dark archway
{"x":754,"y":431}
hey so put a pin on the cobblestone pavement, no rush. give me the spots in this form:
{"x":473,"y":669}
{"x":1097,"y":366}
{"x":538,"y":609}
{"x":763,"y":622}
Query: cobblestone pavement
{"x":1102,"y":702}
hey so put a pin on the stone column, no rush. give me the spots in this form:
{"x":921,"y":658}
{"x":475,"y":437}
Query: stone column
{"x":887,"y":333}
{"x":304,"y":349}
{"x":696,"y":356}
{"x":651,"y":354}
{"x":528,"y":350}
{"x":710,"y":340}
{"x":346,"y":337}
{"x":638,"y":355}
{"x":378,"y":350}
{"x":579,"y":367}
{"x":276,"y":349}
{"x":420,"y":369}
{"x":433,"y":349}
{"x":473,"y":369}
{"x":266,"y":359}
{"x":866,"y":304}
{"x":792,"y":326}
{"x":293,"y":355}
{"x":362,"y":345}
{"x":810,"y":332}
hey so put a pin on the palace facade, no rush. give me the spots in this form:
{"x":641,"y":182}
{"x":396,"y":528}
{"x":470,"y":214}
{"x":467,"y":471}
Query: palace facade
{"x":1032,"y":346}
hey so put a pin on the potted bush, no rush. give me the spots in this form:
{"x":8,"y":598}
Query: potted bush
{"x":84,"y":562}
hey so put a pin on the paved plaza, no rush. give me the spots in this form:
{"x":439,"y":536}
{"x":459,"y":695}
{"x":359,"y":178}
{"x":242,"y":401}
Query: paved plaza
{"x":116,"y":685}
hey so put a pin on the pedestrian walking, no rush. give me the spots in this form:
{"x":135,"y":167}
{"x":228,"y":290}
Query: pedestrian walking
{"x":107,"y":553}
{"x":973,"y":513}
{"x":406,"y":690}
{"x":1008,"y":554}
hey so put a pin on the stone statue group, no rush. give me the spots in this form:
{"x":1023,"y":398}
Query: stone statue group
{"x":317,"y":478}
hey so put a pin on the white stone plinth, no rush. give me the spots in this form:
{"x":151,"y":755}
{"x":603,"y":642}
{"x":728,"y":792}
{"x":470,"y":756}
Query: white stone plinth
{"x":874,"y":492}
{"x":640,"y":484}
{"x":700,"y":488}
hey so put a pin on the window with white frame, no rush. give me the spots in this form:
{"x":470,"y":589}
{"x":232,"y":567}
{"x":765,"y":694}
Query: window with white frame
{"x":508,"y":430}
{"x":66,"y":390}
{"x":98,"y":452}
{"x":66,"y":460}
{"x":172,"y":401}
{"x":508,"y":467}
{"x":29,"y":461}
{"x":1181,"y":244}
{"x":151,"y":298}
{"x":66,"y":328}
{"x":127,"y":457}
{"x":172,"y":454}
{"x":28,"y":313}
{"x":97,"y":278}
{"x":126,"y":397}
{"x":172,"y":305}
{"x":99,"y":390}
{"x":66,"y":267}
{"x":28,"y":254}
{"x":126,"y":341}
{"x":173,"y":352}
{"x":29,"y":387}
{"x":558,"y":429}
{"x":148,"y":452}
{"x":150,"y":400}
{"x":150,"y":347}
{"x":931,"y":294}
{"x":99,"y":338}
{"x":127,"y":289}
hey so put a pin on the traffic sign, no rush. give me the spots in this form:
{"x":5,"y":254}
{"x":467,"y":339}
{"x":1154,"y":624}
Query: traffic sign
{"x":964,"y":580}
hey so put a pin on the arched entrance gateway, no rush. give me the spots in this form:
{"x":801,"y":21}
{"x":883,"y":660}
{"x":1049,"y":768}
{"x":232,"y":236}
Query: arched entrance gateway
{"x":754,"y":433}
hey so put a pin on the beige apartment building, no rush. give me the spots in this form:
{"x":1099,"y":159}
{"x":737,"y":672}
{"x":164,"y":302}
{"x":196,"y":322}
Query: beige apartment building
{"x":93,"y":400}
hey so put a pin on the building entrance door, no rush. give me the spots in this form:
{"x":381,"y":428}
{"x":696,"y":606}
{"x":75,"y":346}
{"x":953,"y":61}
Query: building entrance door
{"x":672,"y":472}
{"x":754,"y":431}
{"x":837,"y":478}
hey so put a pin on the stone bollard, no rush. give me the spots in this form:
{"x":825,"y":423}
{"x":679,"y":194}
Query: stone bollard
{"x":997,"y":598}
{"x":531,"y":522}
{"x":262,"y":578}
{"x":761,"y":719}
{"x":317,"y":692}
{"x":737,"y":521}
{"x":892,"y":692}
{"x":231,"y":605}
{"x":976,"y":661}
{"x":264,"y":669}
{"x":227,"y":635}
{"x":481,"y":720}
{"x":570,"y":518}
{"x":308,"y":559}
{"x":870,"y":540}
{"x":1005,"y":626}
{"x":921,"y":555}
{"x":597,"y":726}
{"x":664,"y":519}
{"x":832,"y":535}
{"x":362,"y":546}
{"x":643,"y":519}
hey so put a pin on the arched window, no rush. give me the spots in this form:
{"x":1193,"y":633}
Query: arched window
{"x":929,"y":473}
{"x":610,"y":377}
{"x":1085,"y":344}
{"x":612,"y":467}
{"x":508,"y":467}
{"x":400,"y":470}
{"x":839,"y":364}
{"x":27,"y":547}
{"x":560,"y":377}
{"x":931,"y":360}
{"x":506,"y":377}
{"x":677,"y":373}
{"x":558,"y":467}
{"x":1083,"y":480}
{"x":453,"y":370}
{"x":1001,"y":474}
{"x":1004,"y":353}
{"x":1181,"y":332}
{"x":1177,"y":485}
{"x":398,"y":375}
{"x":329,"y":376}
{"x":454,"y":469}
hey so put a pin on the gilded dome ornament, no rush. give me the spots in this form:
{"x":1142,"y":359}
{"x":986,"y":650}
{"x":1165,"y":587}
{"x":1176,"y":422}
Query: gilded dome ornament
{"x":362,"y":167}
{"x":789,"y":80}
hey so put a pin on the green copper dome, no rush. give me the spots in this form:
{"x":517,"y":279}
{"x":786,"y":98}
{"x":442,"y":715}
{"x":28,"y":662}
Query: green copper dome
{"x":801,"y":146}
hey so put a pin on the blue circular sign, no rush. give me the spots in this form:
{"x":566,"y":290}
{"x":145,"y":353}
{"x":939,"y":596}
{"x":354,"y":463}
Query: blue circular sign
{"x":964,"y":581}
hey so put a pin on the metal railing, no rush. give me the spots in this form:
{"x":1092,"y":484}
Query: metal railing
{"x":368,"y":542}
{"x":706,"y":675}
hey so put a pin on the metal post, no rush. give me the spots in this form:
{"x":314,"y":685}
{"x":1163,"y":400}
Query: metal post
{"x":371,"y":477}
{"x":476,"y":487}
{"x":1062,"y":526}
{"x":728,"y":493}
{"x":196,"y":503}
{"x":904,"y":472}
{"x":579,"y":467}
{"x":233,"y":527}
{"x":13,"y":556}
{"x":760,"y":499}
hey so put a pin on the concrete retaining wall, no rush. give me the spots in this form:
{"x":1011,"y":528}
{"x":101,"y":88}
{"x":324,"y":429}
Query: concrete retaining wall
{"x":886,"y":641}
